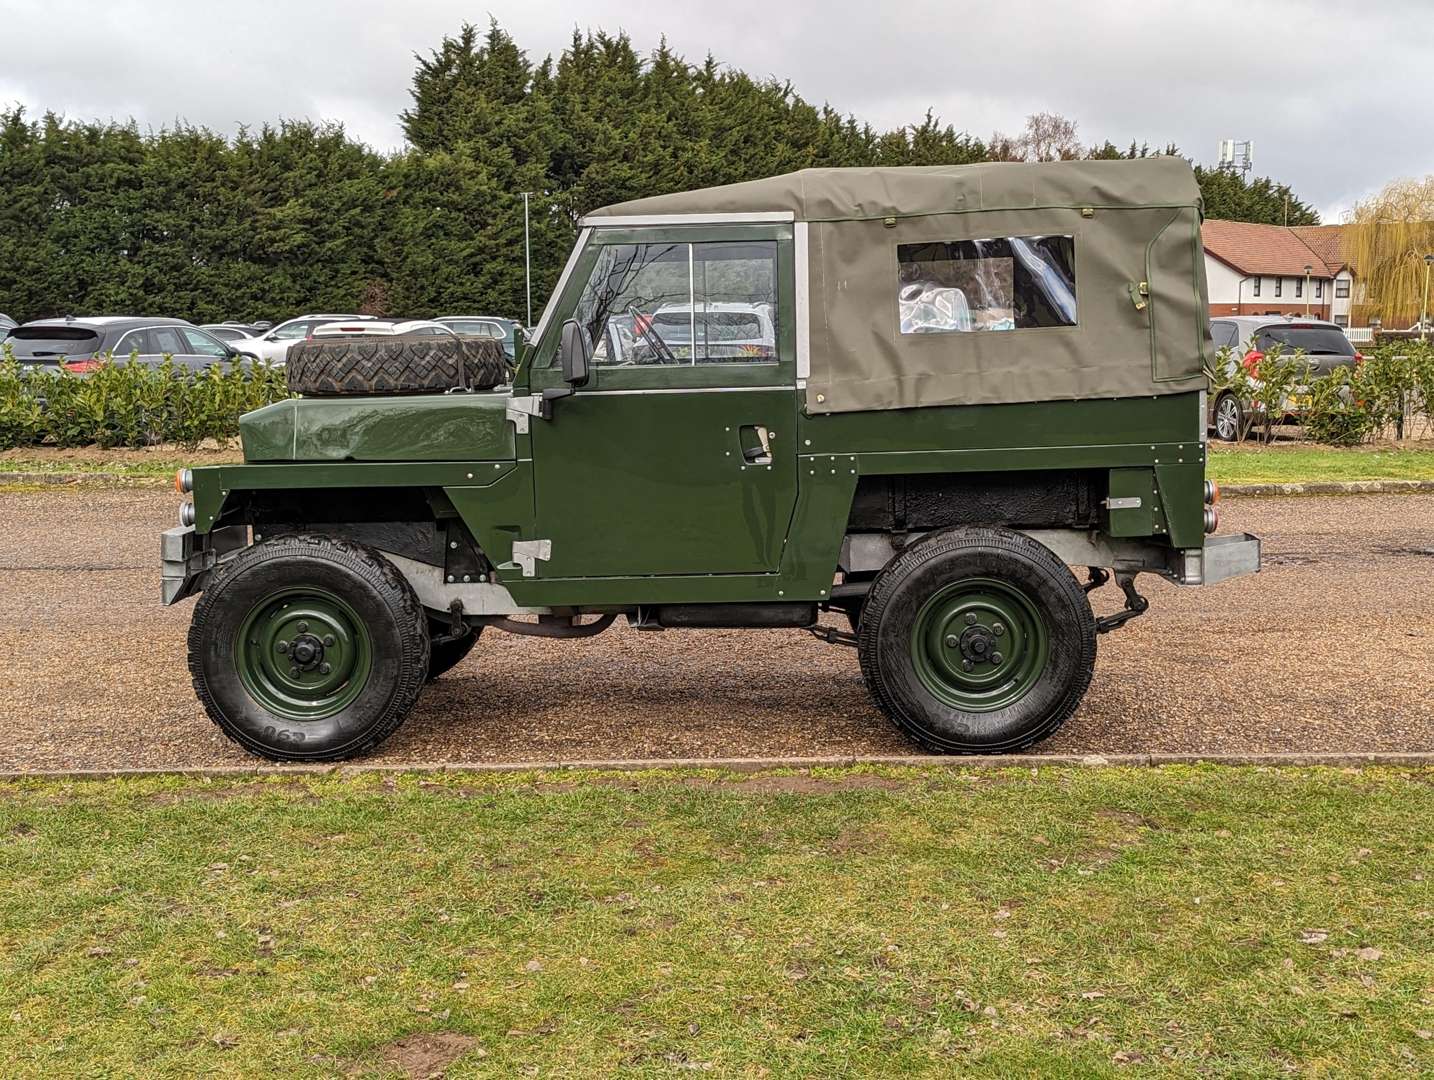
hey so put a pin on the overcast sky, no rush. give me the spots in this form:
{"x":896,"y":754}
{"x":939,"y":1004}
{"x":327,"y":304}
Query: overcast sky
{"x":1335,"y":94}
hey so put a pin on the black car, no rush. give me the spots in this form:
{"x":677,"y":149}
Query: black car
{"x":79,"y":345}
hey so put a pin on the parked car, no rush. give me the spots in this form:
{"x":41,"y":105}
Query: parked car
{"x":229,"y":332}
{"x":79,"y":345}
{"x":1325,"y":345}
{"x":383,"y":328}
{"x":955,"y":496}
{"x":6,"y":323}
{"x":274,"y":344}
{"x":485,"y":326}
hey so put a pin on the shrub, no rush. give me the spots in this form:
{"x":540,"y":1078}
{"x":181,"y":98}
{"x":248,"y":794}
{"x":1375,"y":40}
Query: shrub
{"x":127,"y":403}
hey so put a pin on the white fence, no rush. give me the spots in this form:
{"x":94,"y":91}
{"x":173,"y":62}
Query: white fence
{"x":1360,"y":335}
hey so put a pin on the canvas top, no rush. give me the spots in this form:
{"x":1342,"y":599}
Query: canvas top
{"x":911,"y":191}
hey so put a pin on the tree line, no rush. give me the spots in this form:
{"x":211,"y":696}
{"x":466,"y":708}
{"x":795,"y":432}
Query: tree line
{"x":104,"y":218}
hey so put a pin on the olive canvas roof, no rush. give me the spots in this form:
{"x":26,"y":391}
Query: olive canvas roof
{"x":865,"y":193}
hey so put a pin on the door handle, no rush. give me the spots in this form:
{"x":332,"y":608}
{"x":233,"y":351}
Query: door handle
{"x":756,"y":444}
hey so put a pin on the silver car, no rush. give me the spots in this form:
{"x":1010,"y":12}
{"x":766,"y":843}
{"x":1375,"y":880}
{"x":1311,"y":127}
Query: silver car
{"x":1249,"y":337}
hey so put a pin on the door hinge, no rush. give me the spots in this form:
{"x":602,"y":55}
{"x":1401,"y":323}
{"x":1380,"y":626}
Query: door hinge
{"x":526,"y":554}
{"x":1139,"y":292}
{"x":520,"y":408}
{"x":1123,"y":502}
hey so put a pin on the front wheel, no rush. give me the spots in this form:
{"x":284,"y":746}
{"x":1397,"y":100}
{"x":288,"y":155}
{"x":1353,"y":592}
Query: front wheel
{"x":977,"y":641}
{"x":308,"y":648}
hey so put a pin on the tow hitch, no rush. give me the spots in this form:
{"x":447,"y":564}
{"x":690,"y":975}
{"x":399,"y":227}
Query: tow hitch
{"x":1135,"y":604}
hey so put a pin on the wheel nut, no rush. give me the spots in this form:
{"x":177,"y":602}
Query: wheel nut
{"x":282,"y":647}
{"x":970,"y":618}
{"x":952,"y":641}
{"x":998,"y":629}
{"x":995,"y":658}
{"x":966,"y":665}
{"x":293,"y":673}
{"x":303,"y":628}
{"x":324,"y":669}
{"x":328,"y":641}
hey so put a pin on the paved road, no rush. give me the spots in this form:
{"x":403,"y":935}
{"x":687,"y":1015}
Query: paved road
{"x":1330,"y":649}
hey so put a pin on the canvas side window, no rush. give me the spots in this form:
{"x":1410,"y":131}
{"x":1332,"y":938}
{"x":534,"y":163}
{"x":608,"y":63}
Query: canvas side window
{"x":682,"y":304}
{"x":1004,"y":283}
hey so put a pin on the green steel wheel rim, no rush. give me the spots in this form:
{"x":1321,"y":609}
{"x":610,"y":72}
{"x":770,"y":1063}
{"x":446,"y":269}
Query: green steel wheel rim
{"x":303,"y":653}
{"x":980,"y":644}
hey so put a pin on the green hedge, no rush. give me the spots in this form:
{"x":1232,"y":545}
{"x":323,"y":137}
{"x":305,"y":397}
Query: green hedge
{"x":126,"y":403}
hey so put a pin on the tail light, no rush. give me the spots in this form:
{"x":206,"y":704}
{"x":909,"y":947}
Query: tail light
{"x":1212,"y":493}
{"x":1252,"y":360}
{"x":1212,"y":518}
{"x":81,"y":367}
{"x":1358,"y":358}
{"x":184,"y":481}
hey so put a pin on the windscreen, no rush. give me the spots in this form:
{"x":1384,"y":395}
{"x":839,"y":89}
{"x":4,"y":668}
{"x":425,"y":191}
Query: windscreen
{"x":1315,"y":340}
{"x":38,"y":342}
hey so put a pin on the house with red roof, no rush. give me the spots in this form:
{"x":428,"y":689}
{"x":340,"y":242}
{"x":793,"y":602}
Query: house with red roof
{"x":1278,"y":270}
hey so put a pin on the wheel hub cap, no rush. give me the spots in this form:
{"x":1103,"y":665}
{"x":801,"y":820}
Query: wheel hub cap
{"x":980,"y":644}
{"x":303,"y":653}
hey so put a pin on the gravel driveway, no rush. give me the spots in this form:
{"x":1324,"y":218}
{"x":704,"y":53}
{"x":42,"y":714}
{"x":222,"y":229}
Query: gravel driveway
{"x":1330,"y":649}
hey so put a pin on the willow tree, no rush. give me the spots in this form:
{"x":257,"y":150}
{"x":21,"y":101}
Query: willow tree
{"x":1388,"y":238}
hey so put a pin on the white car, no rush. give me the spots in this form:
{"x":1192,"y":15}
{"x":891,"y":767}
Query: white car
{"x":383,"y":327}
{"x":274,"y":345}
{"x":725,"y":331}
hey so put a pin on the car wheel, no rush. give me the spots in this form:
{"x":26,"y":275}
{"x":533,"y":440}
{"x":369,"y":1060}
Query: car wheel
{"x":1229,"y":418}
{"x":447,"y":652}
{"x":308,"y":648}
{"x":977,"y":641}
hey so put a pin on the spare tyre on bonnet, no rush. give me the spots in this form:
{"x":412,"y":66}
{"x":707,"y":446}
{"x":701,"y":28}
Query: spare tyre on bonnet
{"x":394,"y":364}
{"x":945,"y":404}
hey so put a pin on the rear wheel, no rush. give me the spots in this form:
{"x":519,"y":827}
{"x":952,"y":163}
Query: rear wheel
{"x":447,"y":652}
{"x":977,"y":641}
{"x":308,"y":648}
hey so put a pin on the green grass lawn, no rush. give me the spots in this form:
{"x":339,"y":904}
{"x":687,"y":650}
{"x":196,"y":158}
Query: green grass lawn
{"x":1296,"y":464}
{"x":1060,"y":922}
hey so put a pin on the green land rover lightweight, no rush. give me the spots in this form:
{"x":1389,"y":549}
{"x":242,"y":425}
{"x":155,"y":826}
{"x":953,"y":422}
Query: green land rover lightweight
{"x":916,"y":398}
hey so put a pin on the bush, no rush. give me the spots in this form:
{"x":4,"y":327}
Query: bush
{"x":1391,"y":389}
{"x":131,"y":404}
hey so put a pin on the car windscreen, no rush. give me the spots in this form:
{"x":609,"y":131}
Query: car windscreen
{"x":1315,"y":340}
{"x":38,"y":342}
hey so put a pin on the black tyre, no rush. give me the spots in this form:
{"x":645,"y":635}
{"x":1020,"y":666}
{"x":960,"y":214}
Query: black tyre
{"x":407,"y":364}
{"x":1229,"y":417}
{"x":977,"y":641}
{"x":308,"y":648}
{"x":447,"y":652}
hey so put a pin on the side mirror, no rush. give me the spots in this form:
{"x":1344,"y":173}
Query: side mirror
{"x":575,"y":351}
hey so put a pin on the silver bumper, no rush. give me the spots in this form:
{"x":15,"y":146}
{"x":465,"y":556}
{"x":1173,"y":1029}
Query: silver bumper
{"x":186,"y":557}
{"x":1222,"y":558}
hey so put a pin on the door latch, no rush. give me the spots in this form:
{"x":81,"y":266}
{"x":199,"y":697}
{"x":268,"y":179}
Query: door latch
{"x":756,"y":444}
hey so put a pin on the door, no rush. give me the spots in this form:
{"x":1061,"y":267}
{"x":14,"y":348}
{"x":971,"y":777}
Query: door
{"x":202,"y":350}
{"x":679,"y":455}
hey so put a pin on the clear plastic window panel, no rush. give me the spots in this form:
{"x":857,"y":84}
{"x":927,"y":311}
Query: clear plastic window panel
{"x":1004,"y":283}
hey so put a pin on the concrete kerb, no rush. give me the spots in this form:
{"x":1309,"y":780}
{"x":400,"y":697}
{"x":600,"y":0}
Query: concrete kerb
{"x":1415,"y":759}
{"x":1348,"y":487}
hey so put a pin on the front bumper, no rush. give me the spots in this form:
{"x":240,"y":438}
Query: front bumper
{"x":187,"y":557}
